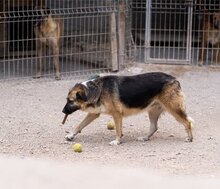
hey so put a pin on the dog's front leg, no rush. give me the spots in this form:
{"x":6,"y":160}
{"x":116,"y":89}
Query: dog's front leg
{"x":88,"y":119}
{"x":118,"y":124}
{"x":40,"y":48}
{"x":202,"y":52}
{"x":56,"y":60}
{"x":215,"y":54}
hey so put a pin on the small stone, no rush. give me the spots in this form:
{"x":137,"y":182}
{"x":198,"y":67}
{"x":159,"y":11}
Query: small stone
{"x":210,"y":138}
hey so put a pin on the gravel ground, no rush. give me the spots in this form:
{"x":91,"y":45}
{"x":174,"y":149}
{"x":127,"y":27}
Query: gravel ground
{"x":31,"y":116}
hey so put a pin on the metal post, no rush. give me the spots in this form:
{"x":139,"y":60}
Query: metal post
{"x":189,"y":31}
{"x":113,"y":42}
{"x":121,"y":30}
{"x":147,"y":31}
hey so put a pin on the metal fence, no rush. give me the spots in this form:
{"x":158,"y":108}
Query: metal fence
{"x":45,"y":38}
{"x":41,"y":38}
{"x":176,"y":32}
{"x":206,"y":32}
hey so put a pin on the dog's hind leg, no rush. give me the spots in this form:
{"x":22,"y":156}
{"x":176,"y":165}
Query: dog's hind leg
{"x":40,"y":49}
{"x":202,"y":55}
{"x":154,"y":114}
{"x":181,"y":116}
{"x":203,"y":49}
{"x":88,"y":119}
{"x":56,"y":58}
{"x":173,"y":101}
{"x":215,"y":55}
{"x":118,"y":124}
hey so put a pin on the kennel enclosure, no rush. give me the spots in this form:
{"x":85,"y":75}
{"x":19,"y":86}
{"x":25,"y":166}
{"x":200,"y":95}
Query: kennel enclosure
{"x":104,"y":35}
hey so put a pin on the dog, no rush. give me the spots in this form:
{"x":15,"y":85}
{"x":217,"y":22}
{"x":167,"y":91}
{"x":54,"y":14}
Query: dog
{"x":211,"y":36}
{"x":48,"y":32}
{"x":121,"y":96}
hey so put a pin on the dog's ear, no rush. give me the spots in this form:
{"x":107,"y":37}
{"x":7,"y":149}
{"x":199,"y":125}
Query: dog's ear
{"x":94,"y":91}
{"x":81,"y":96}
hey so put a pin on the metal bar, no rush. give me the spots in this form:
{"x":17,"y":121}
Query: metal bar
{"x":189,"y":32}
{"x":168,"y":61}
{"x":121,"y":30}
{"x":113,"y":41}
{"x":147,"y":31}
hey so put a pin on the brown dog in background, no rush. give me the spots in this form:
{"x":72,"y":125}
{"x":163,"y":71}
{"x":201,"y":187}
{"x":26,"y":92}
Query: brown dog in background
{"x":211,"y":36}
{"x":48,"y":33}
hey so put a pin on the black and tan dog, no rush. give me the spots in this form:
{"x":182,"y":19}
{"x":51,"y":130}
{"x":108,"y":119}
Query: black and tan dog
{"x":48,"y":33}
{"x":121,"y":96}
{"x":210,"y":36}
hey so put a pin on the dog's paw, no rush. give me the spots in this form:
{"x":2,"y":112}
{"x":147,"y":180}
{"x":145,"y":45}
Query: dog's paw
{"x":114,"y":143}
{"x":200,"y":63}
{"x":69,"y":137}
{"x":37,"y":76}
{"x":188,"y":139}
{"x":143,"y":139}
{"x":58,"y":77}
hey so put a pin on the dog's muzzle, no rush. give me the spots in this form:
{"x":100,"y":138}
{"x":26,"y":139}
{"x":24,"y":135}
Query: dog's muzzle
{"x":69,"y":108}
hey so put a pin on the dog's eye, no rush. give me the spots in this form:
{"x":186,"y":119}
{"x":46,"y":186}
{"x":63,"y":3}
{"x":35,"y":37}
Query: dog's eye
{"x":81,"y":96}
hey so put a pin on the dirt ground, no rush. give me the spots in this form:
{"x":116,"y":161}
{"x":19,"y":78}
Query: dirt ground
{"x":31,"y":115}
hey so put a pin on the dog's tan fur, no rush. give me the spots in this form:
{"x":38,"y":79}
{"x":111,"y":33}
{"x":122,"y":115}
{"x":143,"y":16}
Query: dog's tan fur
{"x":211,"y":35}
{"x":48,"y":34}
{"x":171,"y":99}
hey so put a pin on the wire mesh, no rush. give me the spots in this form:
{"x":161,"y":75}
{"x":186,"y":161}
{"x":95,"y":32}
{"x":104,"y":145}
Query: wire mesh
{"x":84,"y":44}
{"x":206,"y":33}
{"x":160,"y":30}
{"x":94,"y":36}
{"x":169,"y":31}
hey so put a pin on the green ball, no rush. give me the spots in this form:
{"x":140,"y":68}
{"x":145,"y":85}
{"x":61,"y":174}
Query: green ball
{"x":77,"y":147}
{"x":110,"y":125}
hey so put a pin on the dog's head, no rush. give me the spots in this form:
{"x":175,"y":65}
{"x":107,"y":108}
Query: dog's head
{"x":42,"y":11}
{"x":42,"y":14}
{"x":216,"y":20}
{"x":82,"y":95}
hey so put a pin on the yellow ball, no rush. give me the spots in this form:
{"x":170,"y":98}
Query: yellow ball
{"x":77,"y":147}
{"x":110,"y":125}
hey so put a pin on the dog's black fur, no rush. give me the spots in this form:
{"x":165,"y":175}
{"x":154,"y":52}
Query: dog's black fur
{"x":137,"y":91}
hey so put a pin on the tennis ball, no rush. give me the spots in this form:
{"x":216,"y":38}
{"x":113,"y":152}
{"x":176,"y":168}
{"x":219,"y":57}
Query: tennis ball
{"x":77,"y":147}
{"x":110,"y":125}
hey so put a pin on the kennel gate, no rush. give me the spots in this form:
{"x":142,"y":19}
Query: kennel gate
{"x":170,"y":31}
{"x":162,"y":30}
